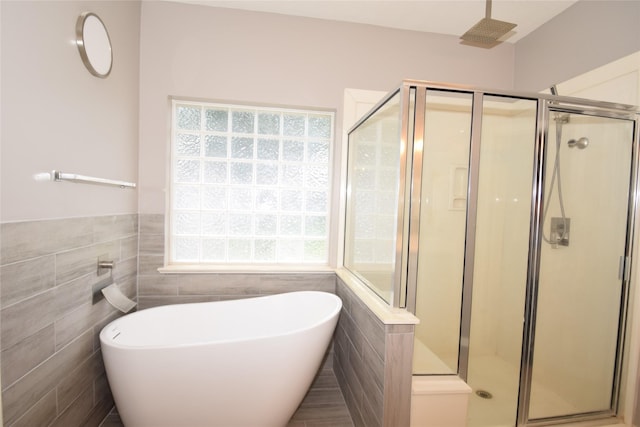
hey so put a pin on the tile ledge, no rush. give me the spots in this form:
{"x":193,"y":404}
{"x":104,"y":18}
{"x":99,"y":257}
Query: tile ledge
{"x":244,"y":268}
{"x":387,"y":314}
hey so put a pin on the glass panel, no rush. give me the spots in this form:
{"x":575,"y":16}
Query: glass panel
{"x":501,"y":259}
{"x":291,"y":200}
{"x":213,"y":249}
{"x":186,"y":249}
{"x":314,"y":250}
{"x":187,"y":171}
{"x":214,"y":224}
{"x":294,"y":125}
{"x":442,"y":232}
{"x":318,"y":152}
{"x":268,"y":149}
{"x":239,"y":249}
{"x":372,"y":202}
{"x":241,"y":173}
{"x":266,"y":174}
{"x":241,"y":199}
{"x":216,"y":120}
{"x":266,"y":200}
{"x":291,"y":250}
{"x":240,"y":224}
{"x":320,"y":126}
{"x":315,"y":226}
{"x":215,"y":146}
{"x":579,"y":291}
{"x":265,"y":250}
{"x":291,"y":225}
{"x":268,"y":123}
{"x":188,"y":118}
{"x":215,"y":172}
{"x":238,"y":164}
{"x":316,"y":201}
{"x":214,"y":198}
{"x":318,"y":177}
{"x":241,"y":148}
{"x":293,"y":151}
{"x":187,"y":145}
{"x":266,"y":224}
{"x":242,"y":122}
{"x":186,"y":197}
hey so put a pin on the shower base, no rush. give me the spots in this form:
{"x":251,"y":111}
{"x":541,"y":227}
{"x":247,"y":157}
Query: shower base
{"x":500,"y":378}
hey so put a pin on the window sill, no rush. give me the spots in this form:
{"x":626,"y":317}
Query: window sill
{"x":245,"y":268}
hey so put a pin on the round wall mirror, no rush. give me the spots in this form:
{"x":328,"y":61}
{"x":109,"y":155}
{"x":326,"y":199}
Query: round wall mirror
{"x":94,"y":44}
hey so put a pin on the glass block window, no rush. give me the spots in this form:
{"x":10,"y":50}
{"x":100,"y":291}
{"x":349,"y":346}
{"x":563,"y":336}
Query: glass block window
{"x":249,"y":184}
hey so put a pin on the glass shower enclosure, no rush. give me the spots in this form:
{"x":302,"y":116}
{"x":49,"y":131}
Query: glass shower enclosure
{"x":504,"y":221}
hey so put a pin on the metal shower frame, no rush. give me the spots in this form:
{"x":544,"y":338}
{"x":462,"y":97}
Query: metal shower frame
{"x":412,"y":106}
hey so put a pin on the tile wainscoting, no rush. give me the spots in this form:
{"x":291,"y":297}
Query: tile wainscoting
{"x":52,"y":370}
{"x":373,"y":364}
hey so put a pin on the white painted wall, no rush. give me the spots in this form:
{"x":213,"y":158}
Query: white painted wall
{"x":55,"y":115}
{"x":585,"y":36}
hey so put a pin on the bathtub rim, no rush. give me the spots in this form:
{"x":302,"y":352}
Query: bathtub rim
{"x":109,"y":341}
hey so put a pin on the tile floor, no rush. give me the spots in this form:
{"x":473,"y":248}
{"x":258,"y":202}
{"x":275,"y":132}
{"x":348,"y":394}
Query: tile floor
{"x":323,"y":406}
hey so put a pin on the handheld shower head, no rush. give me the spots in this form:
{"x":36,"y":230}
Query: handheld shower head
{"x":581,"y":143}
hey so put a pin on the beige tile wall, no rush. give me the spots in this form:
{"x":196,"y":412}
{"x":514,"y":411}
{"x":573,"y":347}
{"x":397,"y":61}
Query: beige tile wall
{"x":52,"y":370}
{"x":372,"y":364}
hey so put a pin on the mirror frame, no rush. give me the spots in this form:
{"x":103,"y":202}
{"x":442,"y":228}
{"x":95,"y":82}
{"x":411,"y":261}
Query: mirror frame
{"x":89,"y":59}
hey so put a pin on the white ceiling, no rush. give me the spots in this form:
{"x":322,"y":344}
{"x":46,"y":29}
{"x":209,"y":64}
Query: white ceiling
{"x":453,"y":17}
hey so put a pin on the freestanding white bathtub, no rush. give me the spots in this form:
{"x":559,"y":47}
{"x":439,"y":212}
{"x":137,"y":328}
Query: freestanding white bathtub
{"x":242,"y":363}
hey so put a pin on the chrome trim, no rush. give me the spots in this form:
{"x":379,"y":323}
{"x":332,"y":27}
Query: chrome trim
{"x":411,"y":211}
{"x":533,"y":270}
{"x":528,"y":345}
{"x":376,"y":107}
{"x":575,"y":418}
{"x":568,"y":100}
{"x":415,"y":199}
{"x":572,"y":103}
{"x":82,"y":49}
{"x":406,"y":141}
{"x":628,"y":256}
{"x":470,"y":239}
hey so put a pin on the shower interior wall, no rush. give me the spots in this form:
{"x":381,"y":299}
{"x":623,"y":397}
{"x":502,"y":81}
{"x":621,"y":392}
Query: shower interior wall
{"x":442,"y":246}
{"x":578,"y":301}
{"x":500,"y":268}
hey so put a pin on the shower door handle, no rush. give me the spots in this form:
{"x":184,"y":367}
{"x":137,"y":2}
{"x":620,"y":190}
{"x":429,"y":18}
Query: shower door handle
{"x":623,"y":268}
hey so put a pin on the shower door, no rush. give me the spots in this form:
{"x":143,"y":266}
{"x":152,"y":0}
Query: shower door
{"x":572,"y":365}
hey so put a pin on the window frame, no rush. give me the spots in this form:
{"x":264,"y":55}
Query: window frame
{"x":328,"y":264}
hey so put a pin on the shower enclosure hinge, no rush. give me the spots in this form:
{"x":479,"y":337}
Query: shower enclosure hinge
{"x":623,"y":270}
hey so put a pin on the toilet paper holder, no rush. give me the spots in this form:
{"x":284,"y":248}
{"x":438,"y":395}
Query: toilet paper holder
{"x":96,"y":289}
{"x":105,"y":265}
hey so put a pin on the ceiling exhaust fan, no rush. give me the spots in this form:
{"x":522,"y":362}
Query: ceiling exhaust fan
{"x":487,"y":32}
